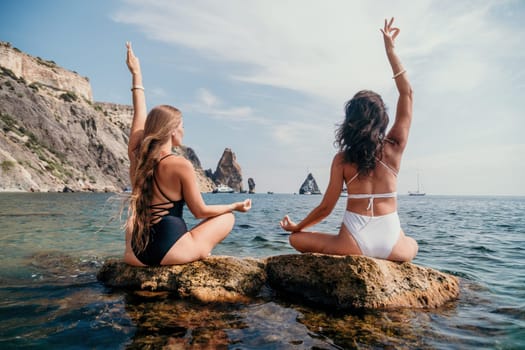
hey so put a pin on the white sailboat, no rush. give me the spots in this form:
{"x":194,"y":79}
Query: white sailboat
{"x":418,"y":192}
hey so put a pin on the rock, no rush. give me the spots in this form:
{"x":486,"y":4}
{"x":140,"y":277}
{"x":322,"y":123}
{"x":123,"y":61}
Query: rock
{"x":215,"y":279}
{"x":251,"y":185}
{"x":349,"y":282}
{"x":309,"y":186}
{"x":344,"y":282}
{"x":228,"y":171}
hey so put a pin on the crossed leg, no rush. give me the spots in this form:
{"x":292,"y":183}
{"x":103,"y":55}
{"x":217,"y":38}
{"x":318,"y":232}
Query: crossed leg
{"x":316,"y":242}
{"x":198,"y":243}
{"x":344,"y":243}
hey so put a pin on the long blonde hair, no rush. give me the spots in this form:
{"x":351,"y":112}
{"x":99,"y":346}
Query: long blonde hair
{"x":158,"y":129}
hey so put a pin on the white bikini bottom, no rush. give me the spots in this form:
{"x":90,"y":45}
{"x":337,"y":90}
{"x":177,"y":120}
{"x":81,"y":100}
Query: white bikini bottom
{"x":375,"y":235}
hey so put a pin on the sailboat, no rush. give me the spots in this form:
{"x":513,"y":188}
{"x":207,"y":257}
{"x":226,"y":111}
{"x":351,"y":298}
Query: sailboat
{"x":418,"y":192}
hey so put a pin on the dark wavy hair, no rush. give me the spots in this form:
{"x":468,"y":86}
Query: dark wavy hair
{"x":361,"y":136}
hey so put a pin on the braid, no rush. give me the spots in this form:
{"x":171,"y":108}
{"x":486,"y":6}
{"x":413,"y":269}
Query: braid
{"x":143,"y":191}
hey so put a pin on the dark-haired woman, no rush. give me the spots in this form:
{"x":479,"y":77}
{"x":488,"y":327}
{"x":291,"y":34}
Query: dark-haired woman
{"x":367,"y":164}
{"x":162,"y":183}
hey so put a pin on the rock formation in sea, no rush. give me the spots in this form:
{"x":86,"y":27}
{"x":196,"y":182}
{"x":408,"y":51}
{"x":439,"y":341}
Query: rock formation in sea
{"x":228,"y":171}
{"x":53,"y":135}
{"x":251,"y":185}
{"x":309,"y":186}
{"x":341,"y":282}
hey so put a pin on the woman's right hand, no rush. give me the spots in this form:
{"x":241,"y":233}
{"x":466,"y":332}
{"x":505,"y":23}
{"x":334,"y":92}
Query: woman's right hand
{"x":132,"y":61}
{"x":389,"y":34}
{"x":288,"y":225}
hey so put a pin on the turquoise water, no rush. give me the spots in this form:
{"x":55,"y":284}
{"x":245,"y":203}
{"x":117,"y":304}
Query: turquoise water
{"x":53,"y":244}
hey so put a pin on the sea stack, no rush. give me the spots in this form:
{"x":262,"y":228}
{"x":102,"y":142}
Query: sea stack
{"x":228,"y":171}
{"x":251,"y":185}
{"x":309,"y":186}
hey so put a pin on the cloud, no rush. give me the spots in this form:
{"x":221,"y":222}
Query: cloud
{"x":331,"y":49}
{"x":210,"y":105}
{"x":464,"y":59}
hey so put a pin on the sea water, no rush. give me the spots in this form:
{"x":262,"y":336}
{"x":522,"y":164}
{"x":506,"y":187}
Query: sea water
{"x":52,"y":245}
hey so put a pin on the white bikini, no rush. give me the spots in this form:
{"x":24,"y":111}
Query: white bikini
{"x":375,"y":235}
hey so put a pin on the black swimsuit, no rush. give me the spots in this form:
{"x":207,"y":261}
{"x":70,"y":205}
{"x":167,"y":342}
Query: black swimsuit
{"x":164,"y":233}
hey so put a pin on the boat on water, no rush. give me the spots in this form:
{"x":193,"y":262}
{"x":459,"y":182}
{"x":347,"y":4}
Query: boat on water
{"x":416,"y":193}
{"x":223,"y":189}
{"x":419,"y":192}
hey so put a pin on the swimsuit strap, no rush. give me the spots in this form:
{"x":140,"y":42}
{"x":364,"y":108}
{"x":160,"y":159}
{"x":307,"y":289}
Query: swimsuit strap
{"x":155,"y":179}
{"x":371,"y":197}
{"x":158,"y":209}
{"x":392,"y":170}
{"x":352,"y":179}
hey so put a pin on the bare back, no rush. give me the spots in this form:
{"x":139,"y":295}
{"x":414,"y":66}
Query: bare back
{"x":381,"y":180}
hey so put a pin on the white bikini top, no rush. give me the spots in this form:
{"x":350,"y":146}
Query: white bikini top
{"x":372,"y":196}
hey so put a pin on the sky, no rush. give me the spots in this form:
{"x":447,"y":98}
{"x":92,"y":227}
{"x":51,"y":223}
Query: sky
{"x":269,"y":79}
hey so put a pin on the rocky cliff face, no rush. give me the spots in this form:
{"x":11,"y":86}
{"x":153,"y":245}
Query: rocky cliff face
{"x":228,"y":171}
{"x":52,"y":135}
{"x":51,"y":138}
{"x":43,"y":72}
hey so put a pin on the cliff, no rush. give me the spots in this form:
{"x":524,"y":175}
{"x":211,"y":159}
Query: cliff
{"x":54,"y":136}
{"x":43,"y":72}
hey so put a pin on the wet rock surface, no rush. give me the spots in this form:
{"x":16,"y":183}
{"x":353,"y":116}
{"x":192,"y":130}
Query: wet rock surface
{"x":353,"y":282}
{"x":350,"y":282}
{"x":215,"y":279}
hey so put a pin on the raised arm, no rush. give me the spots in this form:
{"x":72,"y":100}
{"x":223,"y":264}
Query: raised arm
{"x":139,"y":103}
{"x":399,"y":131}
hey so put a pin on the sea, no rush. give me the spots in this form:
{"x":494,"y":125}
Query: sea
{"x":53,"y":244}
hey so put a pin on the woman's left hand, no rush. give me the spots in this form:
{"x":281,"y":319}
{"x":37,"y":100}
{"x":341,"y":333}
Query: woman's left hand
{"x":288,"y":225}
{"x":243,"y":206}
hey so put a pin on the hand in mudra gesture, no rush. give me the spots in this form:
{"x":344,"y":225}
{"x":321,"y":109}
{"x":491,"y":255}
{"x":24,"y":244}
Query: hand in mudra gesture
{"x":389,"y":33}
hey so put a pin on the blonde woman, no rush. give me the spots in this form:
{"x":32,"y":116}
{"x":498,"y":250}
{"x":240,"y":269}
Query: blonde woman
{"x":162,"y":183}
{"x":367,"y":164}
